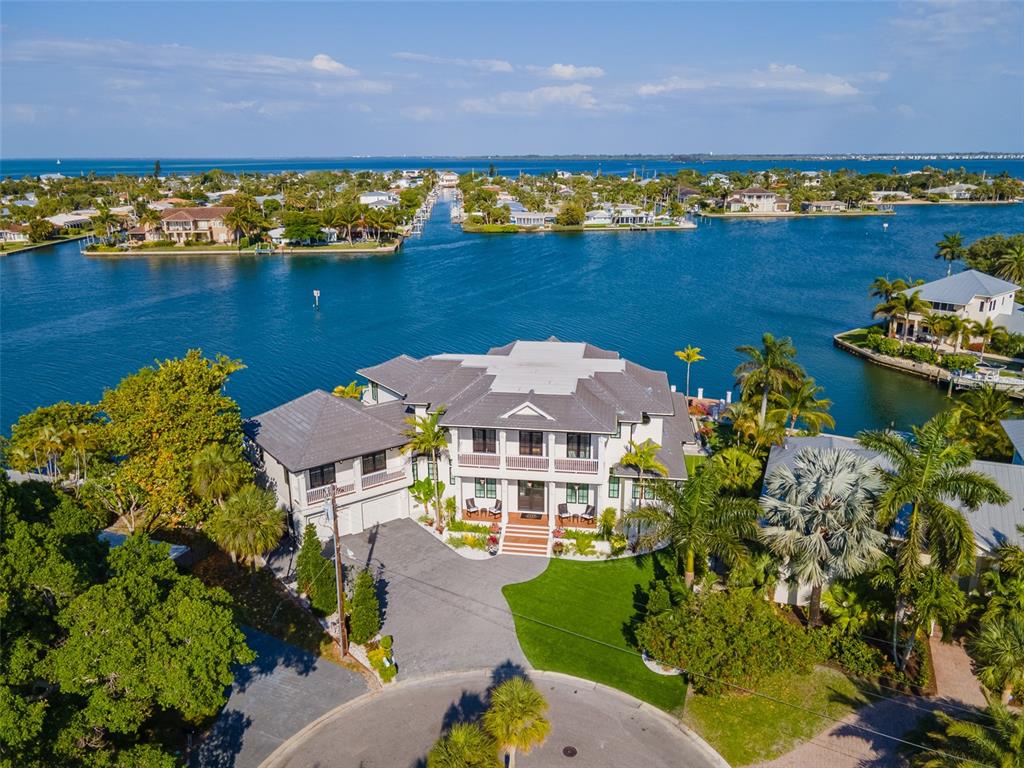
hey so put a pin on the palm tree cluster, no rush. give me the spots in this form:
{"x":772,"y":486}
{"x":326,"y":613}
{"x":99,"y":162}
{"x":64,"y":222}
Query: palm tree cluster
{"x":514,"y":722}
{"x":50,"y":446}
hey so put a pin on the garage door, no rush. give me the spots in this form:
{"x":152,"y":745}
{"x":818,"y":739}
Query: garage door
{"x":390,"y":507}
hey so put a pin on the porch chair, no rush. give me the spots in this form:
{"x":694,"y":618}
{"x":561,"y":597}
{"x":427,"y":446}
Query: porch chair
{"x":563,"y":512}
{"x":496,"y":509}
{"x":471,"y":506}
{"x":588,"y":515}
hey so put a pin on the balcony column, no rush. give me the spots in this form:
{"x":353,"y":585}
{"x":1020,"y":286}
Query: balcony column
{"x":502,"y":451}
{"x":357,"y":475}
{"x":549,"y":503}
{"x":504,"y":500}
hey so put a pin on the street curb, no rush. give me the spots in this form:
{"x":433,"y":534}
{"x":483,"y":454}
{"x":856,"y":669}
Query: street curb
{"x":288,"y":747}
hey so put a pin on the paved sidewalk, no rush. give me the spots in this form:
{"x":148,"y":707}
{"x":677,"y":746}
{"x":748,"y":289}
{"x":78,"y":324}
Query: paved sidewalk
{"x":280,"y":693}
{"x":954,"y":674}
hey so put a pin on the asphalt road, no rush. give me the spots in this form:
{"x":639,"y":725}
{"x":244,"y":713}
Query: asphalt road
{"x":395,"y":728}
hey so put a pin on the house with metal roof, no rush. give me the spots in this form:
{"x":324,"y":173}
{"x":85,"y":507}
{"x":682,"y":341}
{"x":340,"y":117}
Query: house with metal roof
{"x":972,"y":295}
{"x":992,"y":524}
{"x":1014,"y":429}
{"x":536,"y":434}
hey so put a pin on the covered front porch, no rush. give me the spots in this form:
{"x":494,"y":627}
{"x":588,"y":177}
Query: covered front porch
{"x":533,"y":503}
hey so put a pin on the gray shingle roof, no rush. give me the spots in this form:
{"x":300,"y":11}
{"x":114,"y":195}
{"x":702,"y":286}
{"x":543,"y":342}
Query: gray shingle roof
{"x":677,"y":431}
{"x":962,"y":287}
{"x":581,"y":387}
{"x":319,"y":428}
{"x":992,"y":523}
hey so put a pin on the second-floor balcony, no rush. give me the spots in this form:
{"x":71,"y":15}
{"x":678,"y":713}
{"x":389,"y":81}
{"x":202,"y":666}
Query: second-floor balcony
{"x":532,"y":463}
{"x":372,"y":480}
{"x":584,"y":466}
{"x":316,"y":495}
{"x":480,"y":460}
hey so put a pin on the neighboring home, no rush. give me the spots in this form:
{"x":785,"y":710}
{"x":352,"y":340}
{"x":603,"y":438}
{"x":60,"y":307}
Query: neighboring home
{"x":261,"y":199}
{"x":992,"y":524}
{"x":563,"y":174}
{"x":810,"y":178}
{"x":14,"y":233}
{"x":683,"y":194}
{"x":448,"y":179}
{"x":205,"y":224}
{"x":972,"y":295}
{"x":378,"y":199}
{"x":1014,"y":429}
{"x":823,"y":206}
{"x":887,"y":195}
{"x":536,"y":432}
{"x":632,"y":215}
{"x":73,"y":220}
{"x":954,"y":191}
{"x":599,"y":217}
{"x":720,"y":178}
{"x":277,"y":236}
{"x":524,"y":218}
{"x":216,"y":197}
{"x":170,"y":202}
{"x":756,"y":200}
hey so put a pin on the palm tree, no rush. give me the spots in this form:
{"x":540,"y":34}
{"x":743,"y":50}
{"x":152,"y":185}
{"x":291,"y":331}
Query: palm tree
{"x":374,"y":221}
{"x":950,"y":248}
{"x":740,"y":469}
{"x":80,"y":438}
{"x":1003,"y":594}
{"x":217,"y":472}
{"x":351,"y":391}
{"x":466,"y":745}
{"x":997,"y":742}
{"x":51,"y":444}
{"x":883,"y":289}
{"x":979,"y":416}
{"x":698,"y":520}
{"x":901,"y":307}
{"x":988,"y":332}
{"x":851,"y":604}
{"x":426,"y":435}
{"x":958,"y":329}
{"x":248,"y":525}
{"x":1011,"y":556}
{"x":819,"y":517}
{"x":1010,"y":264}
{"x":802,"y":402}
{"x":515,"y":717}
{"x":746,"y":424}
{"x":767,"y":369}
{"x":927,"y":474}
{"x":690,"y":355}
{"x":104,"y":221}
{"x":349,"y":219}
{"x":999,"y":650}
{"x":644,"y":458}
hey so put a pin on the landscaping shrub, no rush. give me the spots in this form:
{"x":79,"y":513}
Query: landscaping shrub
{"x":315,"y":574}
{"x":461,"y":526}
{"x":727,"y":638}
{"x":583,"y":541}
{"x":606,"y":524}
{"x":919,"y":353}
{"x":471,"y":540}
{"x":619,"y":544}
{"x":886,"y":346}
{"x":364,"y":619}
{"x":324,"y":592}
{"x":851,"y":652}
{"x":961,"y":362}
{"x":384,"y":664}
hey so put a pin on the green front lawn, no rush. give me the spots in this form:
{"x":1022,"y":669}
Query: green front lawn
{"x":573,"y":618}
{"x":750,"y":729}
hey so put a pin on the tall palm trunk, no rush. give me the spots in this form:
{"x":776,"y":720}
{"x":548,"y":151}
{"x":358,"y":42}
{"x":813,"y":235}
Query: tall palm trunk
{"x":437,"y":493}
{"x":689,"y":573}
{"x":764,"y":407}
{"x":688,"y":383}
{"x":511,"y":757}
{"x":814,"y":612}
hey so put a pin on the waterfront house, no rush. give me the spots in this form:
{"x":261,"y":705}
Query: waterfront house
{"x":972,"y":295}
{"x":992,"y":524}
{"x":886,"y":195}
{"x":599,"y":217}
{"x":448,"y":179}
{"x":73,"y":220}
{"x":378,"y":199}
{"x":524,"y":218}
{"x":719,"y":178}
{"x":954,"y":191}
{"x":685,"y":194}
{"x":823,"y":206}
{"x":197,"y":224}
{"x":536,"y":434}
{"x":14,"y":233}
{"x":625,"y":214}
{"x":756,"y":200}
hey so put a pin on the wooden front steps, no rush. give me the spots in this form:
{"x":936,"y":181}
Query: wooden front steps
{"x":518,"y":539}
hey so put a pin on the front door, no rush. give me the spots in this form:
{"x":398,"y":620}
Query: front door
{"x":531,"y":497}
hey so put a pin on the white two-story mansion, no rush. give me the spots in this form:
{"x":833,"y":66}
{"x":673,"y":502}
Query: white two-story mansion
{"x":536,"y":431}
{"x":972,"y":295}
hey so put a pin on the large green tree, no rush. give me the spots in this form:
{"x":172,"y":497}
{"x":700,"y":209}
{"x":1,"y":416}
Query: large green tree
{"x":767,"y":369}
{"x":249,"y":524}
{"x":160,"y":419}
{"x":427,"y":436}
{"x":515,"y":717}
{"x":950,"y":248}
{"x":994,"y":738}
{"x":465,"y":745}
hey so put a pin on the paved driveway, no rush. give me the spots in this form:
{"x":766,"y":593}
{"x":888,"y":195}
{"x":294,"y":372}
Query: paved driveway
{"x":396,"y":727}
{"x":445,"y":612}
{"x":280,"y":693}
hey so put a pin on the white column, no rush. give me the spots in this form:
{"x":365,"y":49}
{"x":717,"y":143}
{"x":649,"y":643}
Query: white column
{"x":549,"y":503}
{"x":505,"y":503}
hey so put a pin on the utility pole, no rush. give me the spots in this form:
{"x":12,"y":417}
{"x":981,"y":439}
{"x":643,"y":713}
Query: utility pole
{"x":338,"y":577}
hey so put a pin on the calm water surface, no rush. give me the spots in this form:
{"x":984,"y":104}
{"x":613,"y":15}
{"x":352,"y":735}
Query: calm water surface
{"x":70,"y":326}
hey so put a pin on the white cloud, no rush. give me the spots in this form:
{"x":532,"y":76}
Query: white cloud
{"x":421,"y":114}
{"x":24,"y":113}
{"x":954,"y":24}
{"x":568,"y":72}
{"x":482,"y":65}
{"x":576,"y":95}
{"x":905,"y":110}
{"x":778,"y":77}
{"x":324,"y":63}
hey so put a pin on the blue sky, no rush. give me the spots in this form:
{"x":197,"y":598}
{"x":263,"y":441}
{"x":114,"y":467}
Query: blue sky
{"x":375,"y":78}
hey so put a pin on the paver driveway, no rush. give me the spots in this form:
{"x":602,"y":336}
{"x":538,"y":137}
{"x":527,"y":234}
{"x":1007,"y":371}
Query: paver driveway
{"x":445,"y":612}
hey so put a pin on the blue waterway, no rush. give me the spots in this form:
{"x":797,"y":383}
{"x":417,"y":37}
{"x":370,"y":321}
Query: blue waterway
{"x":69,"y":326}
{"x":506,"y":166}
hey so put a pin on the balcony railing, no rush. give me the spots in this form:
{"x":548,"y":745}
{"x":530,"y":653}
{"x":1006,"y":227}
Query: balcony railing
{"x":379,"y":478}
{"x":316,"y":495}
{"x":479,"y":460}
{"x":586,"y":466}
{"x":535,"y":463}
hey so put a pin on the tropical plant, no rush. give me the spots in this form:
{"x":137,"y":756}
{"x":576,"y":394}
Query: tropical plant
{"x":427,"y":436}
{"x":993,"y":738}
{"x":998,"y":647}
{"x":979,"y":414}
{"x":515,"y":717}
{"x":465,"y":745}
{"x":746,"y":425}
{"x":351,"y":391}
{"x":926,"y":476}
{"x":698,"y":520}
{"x":1002,"y":594}
{"x":818,"y":516}
{"x":767,"y":370}
{"x":643,"y":457}
{"x":802,"y":402}
{"x":883,"y":289}
{"x":852,"y":604}
{"x":740,"y":469}
{"x":364,"y":617}
{"x":901,"y":307}
{"x":950,"y":248}
{"x":218,"y":471}
{"x":249,"y":524}
{"x":988,"y":332}
{"x":1010,"y":263}
{"x":690,"y":355}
